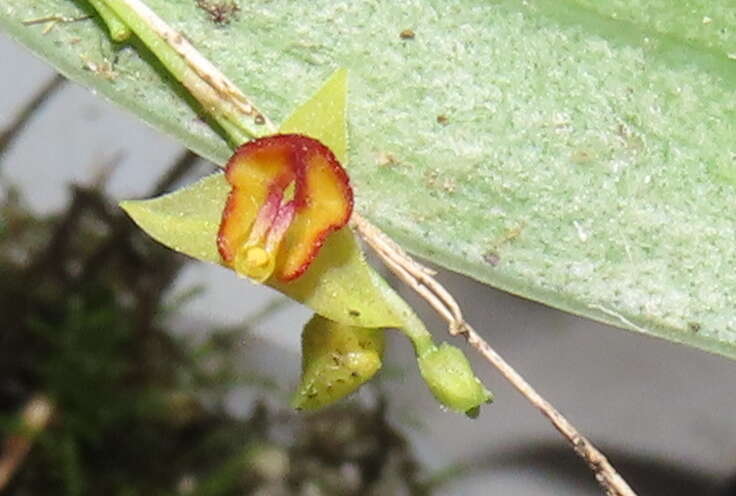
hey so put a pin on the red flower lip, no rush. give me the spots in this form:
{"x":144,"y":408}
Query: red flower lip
{"x":289,"y":192}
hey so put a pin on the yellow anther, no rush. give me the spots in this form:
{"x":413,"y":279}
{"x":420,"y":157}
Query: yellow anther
{"x":255,"y":262}
{"x":256,"y":256}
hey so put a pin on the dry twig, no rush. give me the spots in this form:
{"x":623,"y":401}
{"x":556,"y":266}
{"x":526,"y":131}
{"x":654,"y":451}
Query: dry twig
{"x":52,"y":20}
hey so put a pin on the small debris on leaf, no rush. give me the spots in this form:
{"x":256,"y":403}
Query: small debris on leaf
{"x":220,"y":12}
{"x":492,"y":258}
{"x":384,"y":159}
{"x":104,"y":69}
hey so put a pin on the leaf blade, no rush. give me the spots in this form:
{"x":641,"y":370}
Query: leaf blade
{"x":555,"y":115}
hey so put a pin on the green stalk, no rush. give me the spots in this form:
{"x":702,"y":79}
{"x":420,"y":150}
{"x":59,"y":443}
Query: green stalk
{"x":238,"y":127}
{"x":119,"y":31}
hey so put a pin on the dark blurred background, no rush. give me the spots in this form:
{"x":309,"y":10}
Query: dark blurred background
{"x":127,"y":369}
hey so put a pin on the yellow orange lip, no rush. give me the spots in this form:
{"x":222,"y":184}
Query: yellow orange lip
{"x":289,"y":192}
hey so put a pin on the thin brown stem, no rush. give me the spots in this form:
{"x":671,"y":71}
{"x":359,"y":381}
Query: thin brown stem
{"x":605,"y":473}
{"x":421,"y":279}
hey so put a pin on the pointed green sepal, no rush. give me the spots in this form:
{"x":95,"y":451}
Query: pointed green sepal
{"x":323,"y":117}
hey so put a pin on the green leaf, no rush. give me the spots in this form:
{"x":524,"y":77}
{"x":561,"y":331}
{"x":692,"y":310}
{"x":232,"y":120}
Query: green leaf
{"x":578,"y":153}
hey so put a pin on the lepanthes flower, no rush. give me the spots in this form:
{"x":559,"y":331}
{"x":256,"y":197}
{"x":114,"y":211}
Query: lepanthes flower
{"x":277,"y":216}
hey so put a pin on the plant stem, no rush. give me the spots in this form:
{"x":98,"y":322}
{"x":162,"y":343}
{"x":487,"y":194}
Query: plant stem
{"x":605,"y":473}
{"x":119,"y":31}
{"x":239,"y":118}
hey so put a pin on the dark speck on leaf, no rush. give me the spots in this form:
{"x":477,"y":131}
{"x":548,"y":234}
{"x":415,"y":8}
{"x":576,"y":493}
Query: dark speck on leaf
{"x":354,"y":313}
{"x":492,"y":258}
{"x":443,"y":119}
{"x":220,"y":11}
{"x":259,"y":120}
{"x":693,"y":326}
{"x":407,"y":34}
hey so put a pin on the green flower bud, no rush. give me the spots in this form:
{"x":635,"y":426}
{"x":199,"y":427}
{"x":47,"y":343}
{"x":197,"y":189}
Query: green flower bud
{"x":451,"y":380}
{"x":336,"y":360}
